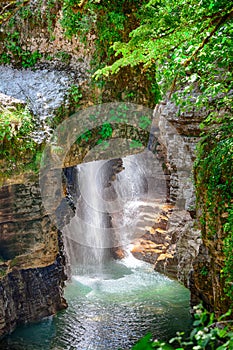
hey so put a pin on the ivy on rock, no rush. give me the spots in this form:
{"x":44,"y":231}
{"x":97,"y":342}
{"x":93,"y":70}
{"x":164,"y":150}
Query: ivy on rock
{"x":214,"y":183}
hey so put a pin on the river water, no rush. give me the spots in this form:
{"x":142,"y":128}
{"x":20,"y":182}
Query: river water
{"x":110,"y":311}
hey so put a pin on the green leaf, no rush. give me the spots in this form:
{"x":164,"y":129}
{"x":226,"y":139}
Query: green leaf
{"x":227,"y":314}
{"x":197,"y":323}
{"x":144,"y":344}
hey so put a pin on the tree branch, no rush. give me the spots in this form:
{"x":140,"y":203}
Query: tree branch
{"x":6,"y":7}
{"x":164,"y":34}
{"x":208,"y":37}
{"x":14,"y":11}
{"x":82,"y":3}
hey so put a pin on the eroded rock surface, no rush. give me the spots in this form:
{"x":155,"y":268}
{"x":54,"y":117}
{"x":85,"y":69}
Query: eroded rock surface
{"x":172,"y":243}
{"x":32,"y":266}
{"x":28,"y":295}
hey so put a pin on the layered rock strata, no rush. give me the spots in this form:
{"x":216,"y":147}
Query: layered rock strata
{"x":32,"y":266}
{"x":172,"y":242}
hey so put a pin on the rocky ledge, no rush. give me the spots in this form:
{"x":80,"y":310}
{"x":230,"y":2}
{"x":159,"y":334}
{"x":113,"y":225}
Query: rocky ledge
{"x":165,"y":244}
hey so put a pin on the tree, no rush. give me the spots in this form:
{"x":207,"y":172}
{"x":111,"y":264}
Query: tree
{"x":190,"y":44}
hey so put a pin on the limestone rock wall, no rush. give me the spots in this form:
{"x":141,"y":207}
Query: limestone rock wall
{"x":28,"y":295}
{"x":39,"y":29}
{"x":32,"y":261}
{"x":200,"y":256}
{"x":207,"y":282}
{"x":173,"y":242}
{"x":25,"y":229}
{"x":179,"y":137}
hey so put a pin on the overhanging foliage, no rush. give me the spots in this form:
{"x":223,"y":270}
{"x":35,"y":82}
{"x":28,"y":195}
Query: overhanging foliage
{"x":189,"y":43}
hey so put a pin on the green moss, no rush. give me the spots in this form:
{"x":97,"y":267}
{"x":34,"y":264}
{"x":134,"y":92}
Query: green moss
{"x":74,"y":95}
{"x":110,"y":22}
{"x":19,"y":151}
{"x":63,"y":56}
{"x":2,"y":273}
{"x":21,"y":14}
{"x":14,"y":53}
{"x":204,"y":271}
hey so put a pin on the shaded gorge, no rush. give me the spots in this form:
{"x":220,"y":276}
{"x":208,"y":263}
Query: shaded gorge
{"x":112,"y":302}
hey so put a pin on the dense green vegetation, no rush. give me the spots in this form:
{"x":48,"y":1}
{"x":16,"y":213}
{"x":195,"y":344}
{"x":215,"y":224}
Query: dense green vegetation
{"x":182,"y":47}
{"x":17,"y":148}
{"x":171,"y":44}
{"x":214,"y":183}
{"x":14,"y":52}
{"x":207,"y":333}
{"x":10,"y":8}
{"x":109,"y":22}
{"x":189,"y":43}
{"x":11,"y":14}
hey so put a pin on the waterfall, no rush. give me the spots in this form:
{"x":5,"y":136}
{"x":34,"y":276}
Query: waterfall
{"x":113,"y":208}
{"x":86,"y":235}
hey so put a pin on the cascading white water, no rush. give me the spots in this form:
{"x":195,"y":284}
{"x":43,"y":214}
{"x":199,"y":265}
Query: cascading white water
{"x":111,"y":209}
{"x":86,"y":234}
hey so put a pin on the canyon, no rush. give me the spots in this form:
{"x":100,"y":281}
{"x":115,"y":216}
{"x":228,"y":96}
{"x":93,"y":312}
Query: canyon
{"x":35,"y":205}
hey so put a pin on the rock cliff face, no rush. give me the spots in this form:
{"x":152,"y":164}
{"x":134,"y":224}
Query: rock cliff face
{"x":32,"y":263}
{"x":177,"y":244}
{"x":25,"y":226}
{"x":211,"y":278}
{"x":173,"y":242}
{"x":206,"y":282}
{"x":39,"y":30}
{"x":32,"y":260}
{"x":28,"y":295}
{"x":179,"y":137}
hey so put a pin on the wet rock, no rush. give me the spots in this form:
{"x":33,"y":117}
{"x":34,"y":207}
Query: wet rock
{"x":25,"y":227}
{"x":28,"y":295}
{"x":118,"y":253}
{"x":44,"y":91}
